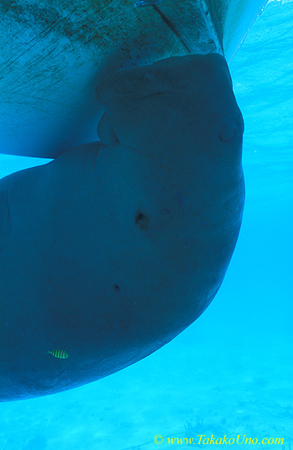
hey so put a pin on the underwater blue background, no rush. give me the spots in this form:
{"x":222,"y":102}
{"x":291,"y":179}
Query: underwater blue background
{"x":231,"y":372}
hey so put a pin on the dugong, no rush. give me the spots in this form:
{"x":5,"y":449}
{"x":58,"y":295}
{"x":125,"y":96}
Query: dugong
{"x":115,"y":247}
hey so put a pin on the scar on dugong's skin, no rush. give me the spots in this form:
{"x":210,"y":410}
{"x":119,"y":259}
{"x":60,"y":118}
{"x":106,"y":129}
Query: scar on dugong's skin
{"x":114,"y":248}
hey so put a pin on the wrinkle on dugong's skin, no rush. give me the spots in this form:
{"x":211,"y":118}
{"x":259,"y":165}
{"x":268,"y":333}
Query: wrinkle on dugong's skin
{"x":54,"y":53}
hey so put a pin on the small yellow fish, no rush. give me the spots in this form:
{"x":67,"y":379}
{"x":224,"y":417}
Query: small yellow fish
{"x":61,"y":354}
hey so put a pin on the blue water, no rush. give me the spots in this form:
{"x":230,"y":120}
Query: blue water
{"x":231,"y":372}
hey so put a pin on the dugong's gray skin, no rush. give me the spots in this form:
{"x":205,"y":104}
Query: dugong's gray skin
{"x":112,"y":249}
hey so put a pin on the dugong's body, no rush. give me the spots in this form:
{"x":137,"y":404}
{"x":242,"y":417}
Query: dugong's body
{"x":111,"y":250}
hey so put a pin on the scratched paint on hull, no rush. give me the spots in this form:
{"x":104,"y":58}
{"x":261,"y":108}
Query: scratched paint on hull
{"x":54,"y":54}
